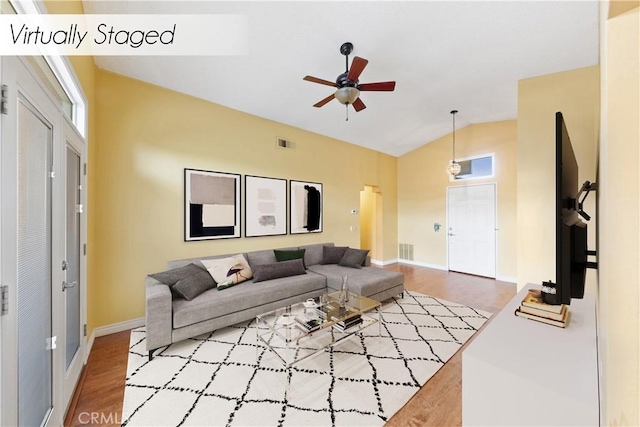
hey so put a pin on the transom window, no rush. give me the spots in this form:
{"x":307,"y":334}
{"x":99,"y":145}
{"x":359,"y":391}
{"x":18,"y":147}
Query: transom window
{"x":475,"y":167}
{"x":55,"y":72}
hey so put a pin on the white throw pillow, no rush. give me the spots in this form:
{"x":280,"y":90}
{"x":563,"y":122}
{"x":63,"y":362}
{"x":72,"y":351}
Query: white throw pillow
{"x":228,"y":271}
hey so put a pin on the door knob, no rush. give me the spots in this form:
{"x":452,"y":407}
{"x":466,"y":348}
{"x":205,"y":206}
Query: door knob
{"x":66,"y":285}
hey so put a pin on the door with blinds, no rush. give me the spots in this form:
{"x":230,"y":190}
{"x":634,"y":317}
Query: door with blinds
{"x":31,"y":230}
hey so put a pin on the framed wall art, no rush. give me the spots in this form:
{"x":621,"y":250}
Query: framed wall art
{"x":305,"y":200}
{"x":265,"y":206}
{"x":211,"y":205}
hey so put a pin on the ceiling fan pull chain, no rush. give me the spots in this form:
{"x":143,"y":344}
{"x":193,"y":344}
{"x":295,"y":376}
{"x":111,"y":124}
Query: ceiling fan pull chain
{"x":347,"y":105}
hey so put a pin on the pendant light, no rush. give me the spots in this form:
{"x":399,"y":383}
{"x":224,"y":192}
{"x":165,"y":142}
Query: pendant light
{"x":454,"y":167}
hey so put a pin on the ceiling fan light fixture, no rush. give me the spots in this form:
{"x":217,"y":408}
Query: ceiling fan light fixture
{"x":347,"y":95}
{"x":348,"y":83}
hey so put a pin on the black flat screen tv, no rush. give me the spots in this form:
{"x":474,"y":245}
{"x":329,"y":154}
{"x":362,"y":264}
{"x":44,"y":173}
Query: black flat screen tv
{"x":571,"y":231}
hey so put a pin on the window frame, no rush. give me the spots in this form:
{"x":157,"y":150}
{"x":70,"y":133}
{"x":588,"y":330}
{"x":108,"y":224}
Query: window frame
{"x":62,"y":70}
{"x":475,"y":157}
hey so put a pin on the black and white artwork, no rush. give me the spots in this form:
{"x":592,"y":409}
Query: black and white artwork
{"x":212,"y":205}
{"x":306,"y":207}
{"x":265,"y":206}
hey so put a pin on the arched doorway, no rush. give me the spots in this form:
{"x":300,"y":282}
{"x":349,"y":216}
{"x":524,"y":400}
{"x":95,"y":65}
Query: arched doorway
{"x":371,"y":235}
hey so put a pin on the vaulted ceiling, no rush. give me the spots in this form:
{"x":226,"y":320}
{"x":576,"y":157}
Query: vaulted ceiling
{"x":443,"y":55}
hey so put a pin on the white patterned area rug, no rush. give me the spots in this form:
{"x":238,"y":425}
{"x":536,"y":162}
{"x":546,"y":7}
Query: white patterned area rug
{"x":223,"y":379}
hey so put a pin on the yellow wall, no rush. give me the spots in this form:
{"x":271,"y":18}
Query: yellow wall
{"x":576,"y":94}
{"x":619,"y":212}
{"x":149,"y":135}
{"x":422,"y":188}
{"x":387,"y":190}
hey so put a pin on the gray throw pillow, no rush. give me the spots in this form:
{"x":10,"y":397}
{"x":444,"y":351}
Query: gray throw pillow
{"x":354,"y":258}
{"x":186,"y":282}
{"x":333,"y":254}
{"x":192,"y":286}
{"x":171,"y":277}
{"x":277,"y":270}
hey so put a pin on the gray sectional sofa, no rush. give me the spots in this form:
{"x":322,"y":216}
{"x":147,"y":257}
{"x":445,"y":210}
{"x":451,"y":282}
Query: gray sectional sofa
{"x":170,"y":320}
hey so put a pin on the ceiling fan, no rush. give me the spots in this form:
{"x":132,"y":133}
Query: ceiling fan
{"x":348,"y":85}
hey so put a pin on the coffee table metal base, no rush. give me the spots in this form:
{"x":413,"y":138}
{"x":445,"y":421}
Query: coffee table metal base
{"x":279,"y":332}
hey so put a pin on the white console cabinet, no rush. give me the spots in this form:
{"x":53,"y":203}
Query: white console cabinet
{"x":519,"y":372}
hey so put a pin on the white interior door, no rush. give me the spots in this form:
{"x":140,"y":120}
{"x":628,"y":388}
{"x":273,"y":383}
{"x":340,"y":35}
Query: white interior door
{"x":471,"y":220}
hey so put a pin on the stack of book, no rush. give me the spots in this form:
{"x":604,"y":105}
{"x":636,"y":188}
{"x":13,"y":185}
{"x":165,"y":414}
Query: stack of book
{"x":307,"y":324}
{"x":532,"y":307}
{"x":348,"y":323}
{"x":324,"y":310}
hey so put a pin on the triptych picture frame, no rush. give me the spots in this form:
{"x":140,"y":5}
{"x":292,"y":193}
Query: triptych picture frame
{"x":213,"y":206}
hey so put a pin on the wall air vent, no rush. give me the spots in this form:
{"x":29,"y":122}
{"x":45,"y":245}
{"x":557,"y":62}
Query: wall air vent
{"x":284,"y":143}
{"x":405,"y":251}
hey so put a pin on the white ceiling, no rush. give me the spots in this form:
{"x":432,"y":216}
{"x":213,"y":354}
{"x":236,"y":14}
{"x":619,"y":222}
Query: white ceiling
{"x":443,"y":55}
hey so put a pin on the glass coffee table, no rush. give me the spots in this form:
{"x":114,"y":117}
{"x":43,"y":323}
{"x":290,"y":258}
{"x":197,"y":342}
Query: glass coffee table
{"x":301,"y":330}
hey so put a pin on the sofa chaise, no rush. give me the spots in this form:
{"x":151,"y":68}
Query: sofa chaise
{"x":170,"y":320}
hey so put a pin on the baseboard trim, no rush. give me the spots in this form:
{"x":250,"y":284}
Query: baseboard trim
{"x":383,"y":263}
{"x":89,"y":346}
{"x":118,"y":327}
{"x":423,"y":264}
{"x":507,"y":279}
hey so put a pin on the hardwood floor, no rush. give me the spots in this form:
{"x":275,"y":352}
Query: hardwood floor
{"x":98,"y":399}
{"x":99,"y":394}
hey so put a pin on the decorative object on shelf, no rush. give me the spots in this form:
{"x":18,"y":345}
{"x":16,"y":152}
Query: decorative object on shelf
{"x":344,"y":291}
{"x":265,"y":201}
{"x":549,"y":292}
{"x":211,"y":205}
{"x":454,"y":167}
{"x":306,"y":207}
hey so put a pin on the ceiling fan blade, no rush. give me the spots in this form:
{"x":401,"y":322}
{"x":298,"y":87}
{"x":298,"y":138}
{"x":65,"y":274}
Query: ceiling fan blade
{"x":357,"y":67}
{"x":358,"y":105}
{"x":324,"y":101}
{"x":321,"y":81}
{"x":379,"y":86}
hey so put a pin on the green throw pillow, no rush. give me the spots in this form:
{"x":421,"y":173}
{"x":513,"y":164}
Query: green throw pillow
{"x":288,"y":255}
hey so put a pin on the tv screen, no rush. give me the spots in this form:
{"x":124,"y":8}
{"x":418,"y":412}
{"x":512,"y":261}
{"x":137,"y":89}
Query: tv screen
{"x":571,"y":232}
